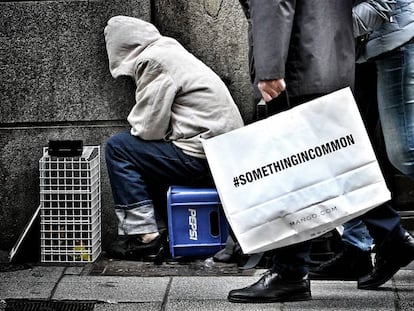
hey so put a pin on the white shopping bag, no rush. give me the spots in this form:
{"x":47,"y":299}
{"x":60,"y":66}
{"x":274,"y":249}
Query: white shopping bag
{"x":297,"y":174}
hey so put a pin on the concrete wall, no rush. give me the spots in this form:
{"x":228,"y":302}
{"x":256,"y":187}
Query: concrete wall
{"x":55,"y":83}
{"x":216,"y":32}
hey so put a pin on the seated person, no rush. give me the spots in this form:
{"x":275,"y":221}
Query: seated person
{"x":179,"y":101}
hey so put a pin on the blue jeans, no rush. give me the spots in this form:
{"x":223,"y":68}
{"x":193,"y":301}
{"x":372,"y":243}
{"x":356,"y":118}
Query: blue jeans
{"x":395,"y":93}
{"x":396,"y":107}
{"x":140,"y":172}
{"x":356,"y":234}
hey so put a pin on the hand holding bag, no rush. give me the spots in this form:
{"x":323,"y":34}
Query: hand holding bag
{"x":297,"y":174}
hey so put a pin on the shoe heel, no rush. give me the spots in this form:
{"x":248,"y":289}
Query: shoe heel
{"x":300,"y":297}
{"x":158,"y":257}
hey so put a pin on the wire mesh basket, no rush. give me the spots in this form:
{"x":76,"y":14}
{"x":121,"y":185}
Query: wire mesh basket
{"x":70,"y":213}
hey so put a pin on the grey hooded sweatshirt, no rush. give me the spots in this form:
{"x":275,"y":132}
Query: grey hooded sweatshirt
{"x":178,"y":98}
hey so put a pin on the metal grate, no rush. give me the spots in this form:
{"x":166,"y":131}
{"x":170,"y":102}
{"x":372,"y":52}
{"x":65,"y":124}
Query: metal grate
{"x":47,"y":305}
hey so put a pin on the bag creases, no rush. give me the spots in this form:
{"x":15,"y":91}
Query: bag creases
{"x":304,"y":196}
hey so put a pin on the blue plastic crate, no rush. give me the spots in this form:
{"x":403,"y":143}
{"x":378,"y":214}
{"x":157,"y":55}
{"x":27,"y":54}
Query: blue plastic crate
{"x":196,"y":225}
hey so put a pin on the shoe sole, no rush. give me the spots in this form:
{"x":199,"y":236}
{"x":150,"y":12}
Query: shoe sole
{"x":378,"y":283}
{"x":287,"y":298}
{"x":157,"y":257}
{"x":385,"y":279}
{"x":332,"y":278}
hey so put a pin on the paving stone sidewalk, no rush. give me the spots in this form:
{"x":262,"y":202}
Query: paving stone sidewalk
{"x":105,"y":288}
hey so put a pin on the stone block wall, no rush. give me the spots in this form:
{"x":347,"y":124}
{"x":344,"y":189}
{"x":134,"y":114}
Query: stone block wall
{"x":216,"y":32}
{"x":55,"y":83}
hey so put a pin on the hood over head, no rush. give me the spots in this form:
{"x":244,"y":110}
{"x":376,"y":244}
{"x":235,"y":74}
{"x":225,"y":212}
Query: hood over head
{"x":126,"y":37}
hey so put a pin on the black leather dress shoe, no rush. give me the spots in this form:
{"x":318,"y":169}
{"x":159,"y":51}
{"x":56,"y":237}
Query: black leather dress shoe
{"x":349,"y":265}
{"x":272,"y":288}
{"x":398,"y":255}
{"x":132,"y":248}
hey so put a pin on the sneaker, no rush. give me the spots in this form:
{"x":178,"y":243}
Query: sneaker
{"x":131,"y":247}
{"x":388,"y":262}
{"x":349,"y":265}
{"x":271,"y":287}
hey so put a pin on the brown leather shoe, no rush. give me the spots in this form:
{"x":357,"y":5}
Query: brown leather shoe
{"x":271,"y":287}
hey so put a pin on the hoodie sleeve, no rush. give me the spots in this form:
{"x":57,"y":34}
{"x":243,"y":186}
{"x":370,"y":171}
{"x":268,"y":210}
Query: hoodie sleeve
{"x":154,"y":96}
{"x":370,"y":15}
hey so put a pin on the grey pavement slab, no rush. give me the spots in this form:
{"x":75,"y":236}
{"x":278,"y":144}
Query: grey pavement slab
{"x":210,"y":293}
{"x":143,"y":306}
{"x":341,"y":295}
{"x":347,"y":290}
{"x":36,"y":283}
{"x":337,"y":305}
{"x":404,"y":277}
{"x":168,"y":293}
{"x":112,"y":289}
{"x":405,"y":298}
{"x":75,"y":270}
{"x":404,"y":292}
{"x":206,"y":288}
{"x":220,"y":305}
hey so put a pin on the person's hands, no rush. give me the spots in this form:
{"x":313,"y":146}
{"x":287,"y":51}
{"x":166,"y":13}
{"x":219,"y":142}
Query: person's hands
{"x":271,"y":88}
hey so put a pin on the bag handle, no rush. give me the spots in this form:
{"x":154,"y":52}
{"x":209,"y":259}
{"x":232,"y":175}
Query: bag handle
{"x":262,"y":110}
